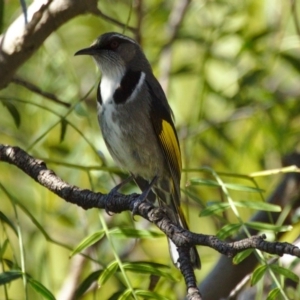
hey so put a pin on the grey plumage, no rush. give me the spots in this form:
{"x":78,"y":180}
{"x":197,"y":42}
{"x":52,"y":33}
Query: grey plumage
{"x":136,"y":122}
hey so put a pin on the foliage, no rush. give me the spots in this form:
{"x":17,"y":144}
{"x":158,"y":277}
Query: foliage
{"x":235,"y":94}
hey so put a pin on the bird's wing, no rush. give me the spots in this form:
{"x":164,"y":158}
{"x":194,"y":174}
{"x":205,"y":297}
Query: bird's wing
{"x":161,"y":118}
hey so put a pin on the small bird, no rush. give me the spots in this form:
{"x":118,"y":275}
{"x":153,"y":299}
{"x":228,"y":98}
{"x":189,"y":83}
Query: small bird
{"x":137,"y":124}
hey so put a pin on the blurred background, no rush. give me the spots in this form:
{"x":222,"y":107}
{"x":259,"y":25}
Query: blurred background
{"x":231,"y":72}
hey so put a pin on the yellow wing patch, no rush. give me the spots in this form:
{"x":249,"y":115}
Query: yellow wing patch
{"x":170,"y":144}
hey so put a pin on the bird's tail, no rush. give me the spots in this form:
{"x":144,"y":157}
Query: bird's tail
{"x":194,"y":256}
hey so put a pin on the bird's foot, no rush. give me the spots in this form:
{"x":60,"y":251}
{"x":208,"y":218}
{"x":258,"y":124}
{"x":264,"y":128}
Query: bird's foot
{"x":114,"y":191}
{"x":143,"y":196}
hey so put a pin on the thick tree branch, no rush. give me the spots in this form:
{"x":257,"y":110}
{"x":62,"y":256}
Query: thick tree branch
{"x":182,"y":238}
{"x":21,"y":40}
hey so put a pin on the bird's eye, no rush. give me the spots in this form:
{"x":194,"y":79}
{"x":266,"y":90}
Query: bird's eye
{"x":114,"y":44}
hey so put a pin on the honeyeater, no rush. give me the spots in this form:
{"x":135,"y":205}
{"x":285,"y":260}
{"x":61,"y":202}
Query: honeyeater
{"x":137,"y":124}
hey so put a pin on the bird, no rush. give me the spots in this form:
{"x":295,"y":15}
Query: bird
{"x":137,"y":125}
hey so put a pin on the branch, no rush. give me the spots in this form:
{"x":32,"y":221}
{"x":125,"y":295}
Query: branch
{"x":35,"y":89}
{"x":118,"y":203}
{"x":21,"y":40}
{"x":228,"y":276}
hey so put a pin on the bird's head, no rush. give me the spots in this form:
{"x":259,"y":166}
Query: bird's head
{"x":115,"y":52}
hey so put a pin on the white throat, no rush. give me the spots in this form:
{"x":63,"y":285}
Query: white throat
{"x":109,"y":83}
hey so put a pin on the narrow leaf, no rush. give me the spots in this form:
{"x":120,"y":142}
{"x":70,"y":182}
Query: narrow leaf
{"x":214,"y":209}
{"x":228,"y":230}
{"x":258,"y":205}
{"x":109,"y":271}
{"x":63,"y":129}
{"x":14,"y":112}
{"x":258,"y":274}
{"x":6,"y":220}
{"x":285,"y":272}
{"x":126,"y":295}
{"x":274,"y":294}
{"x":241,"y":256}
{"x":267,"y":226}
{"x":89,"y":241}
{"x":149,"y":268}
{"x":41,"y":289}
{"x":230,"y":186}
{"x":149,"y":295}
{"x":87,"y":282}
{"x":3,"y":248}
{"x":9,"y":276}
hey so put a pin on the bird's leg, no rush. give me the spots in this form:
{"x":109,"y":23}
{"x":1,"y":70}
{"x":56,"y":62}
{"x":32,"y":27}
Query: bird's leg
{"x":114,"y":190}
{"x":144,"y":195}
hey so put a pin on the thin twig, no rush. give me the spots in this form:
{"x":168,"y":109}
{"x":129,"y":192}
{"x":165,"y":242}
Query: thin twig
{"x":33,"y":88}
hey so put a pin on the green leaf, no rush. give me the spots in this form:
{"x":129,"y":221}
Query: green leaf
{"x":6,"y":220}
{"x":135,"y":233}
{"x":3,"y":248}
{"x":13,"y":111}
{"x":63,"y":129}
{"x":126,"y":295}
{"x":228,"y":230}
{"x":274,"y":294}
{"x":284,"y":272}
{"x":267,"y":226}
{"x":230,"y":186}
{"x":241,"y":256}
{"x":293,"y":60}
{"x":258,"y":274}
{"x":258,"y":205}
{"x":149,"y":268}
{"x":109,"y":271}
{"x":89,"y":241}
{"x":9,"y":276}
{"x":87,"y":282}
{"x":214,"y":209}
{"x":149,"y":295}
{"x":40,"y":288}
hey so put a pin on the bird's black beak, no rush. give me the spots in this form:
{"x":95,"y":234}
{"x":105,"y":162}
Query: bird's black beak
{"x":86,"y":51}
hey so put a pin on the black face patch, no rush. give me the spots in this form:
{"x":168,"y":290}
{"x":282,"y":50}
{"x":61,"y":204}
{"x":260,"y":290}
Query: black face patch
{"x":127,"y":86}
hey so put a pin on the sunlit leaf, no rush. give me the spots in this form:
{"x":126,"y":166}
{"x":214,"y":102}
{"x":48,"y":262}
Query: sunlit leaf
{"x":89,"y":241}
{"x":274,"y":294}
{"x":3,"y":248}
{"x":214,"y":209}
{"x":258,"y":274}
{"x":109,"y":271}
{"x":41,"y":289}
{"x":239,"y":257}
{"x":230,"y":186}
{"x":149,"y":268}
{"x":126,"y":295}
{"x":267,"y":226}
{"x":258,"y":205}
{"x":284,"y":272}
{"x":150,"y":295}
{"x":228,"y":230}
